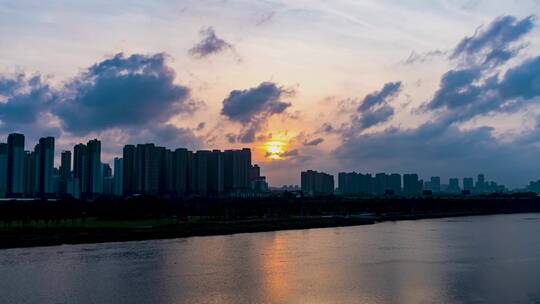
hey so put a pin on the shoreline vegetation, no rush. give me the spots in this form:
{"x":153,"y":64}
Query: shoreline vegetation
{"x":46,"y":223}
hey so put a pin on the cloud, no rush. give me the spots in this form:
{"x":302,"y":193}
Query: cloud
{"x":386,"y":94}
{"x":253,"y":107}
{"x":209,"y":45}
{"x":291,"y":153}
{"x":493,"y":45}
{"x":25,"y":101}
{"x":436,"y":148}
{"x":415,"y":57}
{"x":480,"y":85}
{"x":314,"y":142}
{"x":122,"y":92}
{"x":371,"y":118}
{"x":462,"y":96}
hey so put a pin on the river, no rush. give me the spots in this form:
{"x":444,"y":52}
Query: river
{"x":482,"y":259}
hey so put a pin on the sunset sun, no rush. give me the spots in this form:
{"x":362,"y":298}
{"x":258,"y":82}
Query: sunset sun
{"x":274,"y":148}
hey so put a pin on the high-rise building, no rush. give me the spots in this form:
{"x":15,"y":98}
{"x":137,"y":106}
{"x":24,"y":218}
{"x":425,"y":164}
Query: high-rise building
{"x":381,"y":183}
{"x":180,"y":171}
{"x":3,"y":169}
{"x":80,"y":168}
{"x":30,"y":171}
{"x":481,"y":185}
{"x":65,"y":165}
{"x":129,"y":175}
{"x":118,"y":181}
{"x":65,"y":171}
{"x":453,"y":185}
{"x":236,"y":170}
{"x":411,"y":184}
{"x":394,"y":183}
{"x":254,"y":172}
{"x":315,"y":183}
{"x":215,"y":172}
{"x":15,"y":165}
{"x":44,"y":156}
{"x":435,"y":184}
{"x":468,"y":184}
{"x":95,"y":172}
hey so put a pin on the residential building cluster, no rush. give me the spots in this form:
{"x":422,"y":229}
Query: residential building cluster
{"x":143,"y":169}
{"x":351,"y":183}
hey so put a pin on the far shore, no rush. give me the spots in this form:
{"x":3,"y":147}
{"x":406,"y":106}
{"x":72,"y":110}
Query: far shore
{"x":99,"y":231}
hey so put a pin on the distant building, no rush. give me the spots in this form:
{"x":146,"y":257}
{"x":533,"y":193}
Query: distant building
{"x":3,"y":169}
{"x":95,"y":171}
{"x":259,"y":185}
{"x":453,"y":185}
{"x":118,"y":177}
{"x":435,"y":184}
{"x":394,"y":183}
{"x":468,"y":184}
{"x":44,"y":165}
{"x":15,"y":165}
{"x":411,"y":184}
{"x":380,"y":183}
{"x":315,"y":183}
{"x":65,"y":171}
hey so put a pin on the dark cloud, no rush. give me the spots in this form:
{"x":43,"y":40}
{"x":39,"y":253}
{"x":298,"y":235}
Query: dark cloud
{"x":493,"y":45}
{"x":253,"y":107}
{"x":371,"y":118}
{"x":415,"y":57}
{"x":463,"y":97}
{"x":314,"y":142}
{"x":25,"y":97}
{"x":25,"y":101}
{"x":209,"y":45}
{"x":291,"y":153}
{"x":434,"y":149}
{"x":477,"y":87}
{"x":122,"y":92}
{"x":456,"y":89}
{"x":386,"y":94}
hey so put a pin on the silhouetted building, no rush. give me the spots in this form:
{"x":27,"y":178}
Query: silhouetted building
{"x":380,"y":183}
{"x":259,"y":185}
{"x":3,"y":169}
{"x":236,"y":167}
{"x":315,"y":183}
{"x":15,"y":165}
{"x":453,"y":185}
{"x":80,"y":168}
{"x":468,"y":184}
{"x":394,"y":183}
{"x":118,"y":182}
{"x":411,"y":184}
{"x":95,"y":172}
{"x":435,"y":184}
{"x":181,"y":159}
{"x":481,"y":185}
{"x":255,"y":172}
{"x":44,"y":164}
{"x":129,"y":174}
{"x":30,"y":179}
{"x":65,"y":171}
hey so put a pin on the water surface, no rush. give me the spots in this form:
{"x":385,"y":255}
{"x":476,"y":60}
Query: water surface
{"x":485,"y":259}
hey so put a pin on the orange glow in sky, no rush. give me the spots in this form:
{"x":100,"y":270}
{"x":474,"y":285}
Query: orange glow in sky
{"x":274,"y":148}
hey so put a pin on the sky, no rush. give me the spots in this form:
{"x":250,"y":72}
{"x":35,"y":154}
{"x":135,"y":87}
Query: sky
{"x":439,"y":88}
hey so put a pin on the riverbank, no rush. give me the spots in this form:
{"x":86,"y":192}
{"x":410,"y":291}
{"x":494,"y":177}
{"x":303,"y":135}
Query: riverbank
{"x":99,"y":231}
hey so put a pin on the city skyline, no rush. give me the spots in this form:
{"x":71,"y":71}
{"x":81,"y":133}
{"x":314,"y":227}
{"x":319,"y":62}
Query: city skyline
{"x":154,"y":170}
{"x":359,"y":91}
